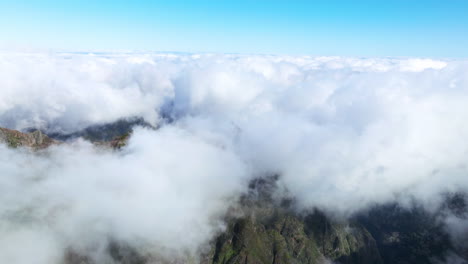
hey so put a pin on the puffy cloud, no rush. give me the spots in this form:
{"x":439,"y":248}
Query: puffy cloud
{"x":343,"y":133}
{"x":67,"y":92}
{"x":167,"y":190}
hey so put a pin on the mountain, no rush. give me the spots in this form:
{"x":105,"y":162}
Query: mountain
{"x":103,"y":132}
{"x":274,"y":233}
{"x":35,"y":140}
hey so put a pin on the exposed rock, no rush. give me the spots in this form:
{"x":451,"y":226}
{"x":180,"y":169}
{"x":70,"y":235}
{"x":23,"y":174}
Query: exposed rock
{"x":272,"y":232}
{"x":116,"y":143}
{"x":287,"y":238}
{"x":35,"y":140}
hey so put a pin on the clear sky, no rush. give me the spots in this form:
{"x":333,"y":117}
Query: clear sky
{"x":435,"y":28}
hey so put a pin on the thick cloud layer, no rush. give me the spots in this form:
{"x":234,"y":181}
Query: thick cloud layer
{"x":68,"y":92}
{"x":167,"y":193}
{"x":343,"y":134}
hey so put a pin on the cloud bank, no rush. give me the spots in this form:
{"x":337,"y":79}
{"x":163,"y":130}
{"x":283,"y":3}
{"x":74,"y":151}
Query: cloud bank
{"x":167,"y":192}
{"x":342,"y":133}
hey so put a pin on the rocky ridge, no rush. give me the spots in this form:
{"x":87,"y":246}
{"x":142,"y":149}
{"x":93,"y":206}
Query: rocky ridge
{"x":35,"y":140}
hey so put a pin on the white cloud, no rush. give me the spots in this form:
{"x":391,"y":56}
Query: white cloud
{"x":342,"y":132}
{"x":418,"y":65}
{"x":167,"y":190}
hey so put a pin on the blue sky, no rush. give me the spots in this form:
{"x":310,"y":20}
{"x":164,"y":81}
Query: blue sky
{"x":352,"y":28}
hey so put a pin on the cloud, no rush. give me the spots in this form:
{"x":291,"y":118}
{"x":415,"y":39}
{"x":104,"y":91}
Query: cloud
{"x":342,"y":133}
{"x":66,"y":92}
{"x":167,"y":190}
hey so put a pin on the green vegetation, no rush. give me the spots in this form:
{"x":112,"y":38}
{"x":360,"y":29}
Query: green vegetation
{"x":13,"y":140}
{"x":286,"y":238}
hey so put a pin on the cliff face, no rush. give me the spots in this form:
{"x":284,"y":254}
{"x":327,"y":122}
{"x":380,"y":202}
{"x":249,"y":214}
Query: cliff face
{"x":35,"y":140}
{"x":287,"y":238}
{"x":271,"y":231}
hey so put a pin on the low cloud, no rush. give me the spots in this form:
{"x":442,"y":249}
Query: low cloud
{"x":167,"y":190}
{"x":342,"y":133}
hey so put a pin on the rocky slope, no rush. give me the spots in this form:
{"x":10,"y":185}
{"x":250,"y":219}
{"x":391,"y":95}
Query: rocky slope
{"x":35,"y":140}
{"x":38,"y":140}
{"x":284,"y":237}
{"x":272,"y":232}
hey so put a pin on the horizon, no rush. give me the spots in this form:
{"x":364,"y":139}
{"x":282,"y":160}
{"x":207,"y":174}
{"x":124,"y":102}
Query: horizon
{"x":240,"y":132}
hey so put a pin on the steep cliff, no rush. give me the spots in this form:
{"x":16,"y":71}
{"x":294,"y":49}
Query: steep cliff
{"x":35,"y":140}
